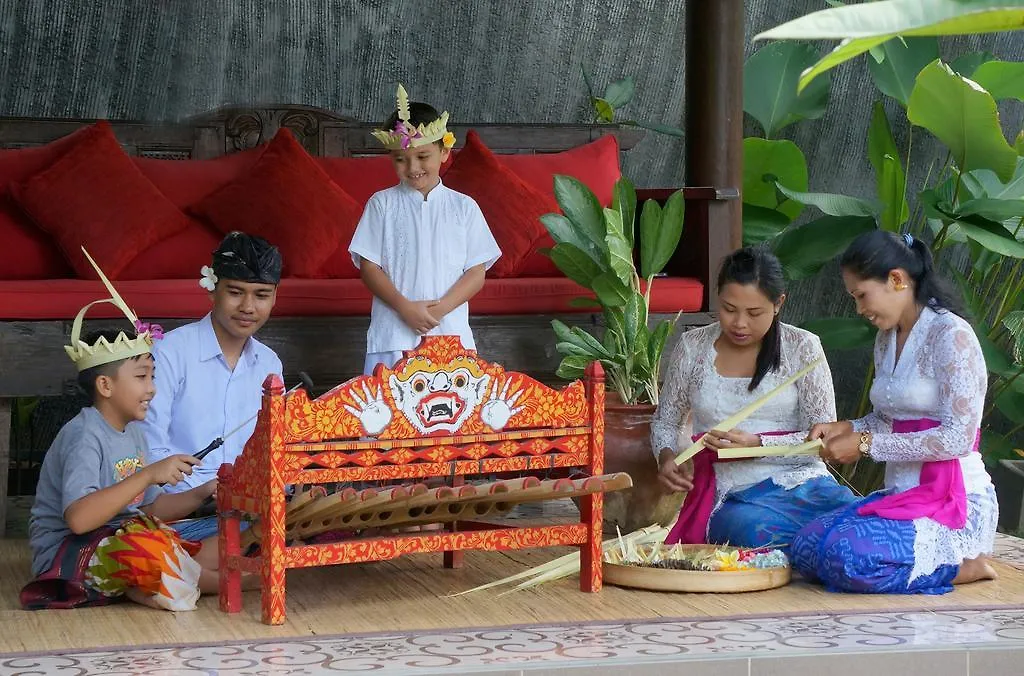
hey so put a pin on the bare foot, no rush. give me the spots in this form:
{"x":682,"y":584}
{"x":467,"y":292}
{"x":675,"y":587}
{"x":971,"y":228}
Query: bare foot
{"x":973,"y":570}
{"x":136,"y":595}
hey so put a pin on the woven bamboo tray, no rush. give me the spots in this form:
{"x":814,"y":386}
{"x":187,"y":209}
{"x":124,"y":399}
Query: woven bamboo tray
{"x":696,"y":581}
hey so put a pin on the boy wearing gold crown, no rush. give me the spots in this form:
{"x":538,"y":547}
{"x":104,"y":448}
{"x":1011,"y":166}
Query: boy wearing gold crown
{"x":212,"y":371}
{"x":96,"y":529}
{"x":422,"y":248}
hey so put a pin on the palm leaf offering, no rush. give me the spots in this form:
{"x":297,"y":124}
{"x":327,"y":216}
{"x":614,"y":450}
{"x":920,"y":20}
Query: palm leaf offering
{"x":807,"y":448}
{"x":706,"y":558}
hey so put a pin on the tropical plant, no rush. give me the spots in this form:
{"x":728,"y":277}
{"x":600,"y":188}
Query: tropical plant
{"x":594,"y":247}
{"x":970,"y":207}
{"x":616,"y":96}
{"x":869,"y":25}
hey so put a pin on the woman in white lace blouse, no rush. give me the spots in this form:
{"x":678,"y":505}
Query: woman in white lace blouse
{"x":715,"y":371}
{"x":936,"y":519}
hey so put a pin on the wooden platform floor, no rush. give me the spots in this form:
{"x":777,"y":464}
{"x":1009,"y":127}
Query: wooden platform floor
{"x":409,"y":594}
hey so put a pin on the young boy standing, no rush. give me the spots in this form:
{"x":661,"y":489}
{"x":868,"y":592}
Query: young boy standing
{"x":96,"y":529}
{"x":422,"y":249}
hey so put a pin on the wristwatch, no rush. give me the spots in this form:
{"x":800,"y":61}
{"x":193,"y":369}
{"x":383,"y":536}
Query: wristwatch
{"x":865,"y":444}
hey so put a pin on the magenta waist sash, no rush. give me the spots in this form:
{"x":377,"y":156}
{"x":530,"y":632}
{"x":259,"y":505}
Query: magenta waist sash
{"x":940,"y":494}
{"x":692,"y":525}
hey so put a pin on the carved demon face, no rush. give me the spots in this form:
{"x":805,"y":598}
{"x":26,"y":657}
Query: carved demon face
{"x":438,"y":398}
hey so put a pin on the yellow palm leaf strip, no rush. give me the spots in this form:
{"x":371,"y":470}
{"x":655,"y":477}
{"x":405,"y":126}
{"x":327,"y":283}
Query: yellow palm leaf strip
{"x":745,"y":412}
{"x":806,"y":448}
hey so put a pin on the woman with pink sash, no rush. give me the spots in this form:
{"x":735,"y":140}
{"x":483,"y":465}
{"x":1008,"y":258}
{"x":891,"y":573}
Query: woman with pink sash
{"x":715,"y":371}
{"x":935,"y":521}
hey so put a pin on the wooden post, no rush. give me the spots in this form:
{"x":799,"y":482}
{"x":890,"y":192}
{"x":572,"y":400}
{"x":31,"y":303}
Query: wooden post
{"x":592,"y":506}
{"x":5,"y":459}
{"x":714,"y":122}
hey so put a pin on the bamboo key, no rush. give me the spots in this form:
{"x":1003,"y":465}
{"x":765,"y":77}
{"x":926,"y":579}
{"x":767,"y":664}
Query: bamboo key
{"x":744,"y":413}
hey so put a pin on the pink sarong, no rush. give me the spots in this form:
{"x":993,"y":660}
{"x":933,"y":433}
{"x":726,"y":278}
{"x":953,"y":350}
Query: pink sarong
{"x":691,"y":528}
{"x":940,"y":495}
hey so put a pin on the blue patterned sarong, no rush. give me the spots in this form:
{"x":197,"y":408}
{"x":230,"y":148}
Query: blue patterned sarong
{"x":767,"y":514}
{"x":847,"y":552}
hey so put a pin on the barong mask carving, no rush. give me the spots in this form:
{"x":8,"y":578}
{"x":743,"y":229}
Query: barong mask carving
{"x":438,"y":388}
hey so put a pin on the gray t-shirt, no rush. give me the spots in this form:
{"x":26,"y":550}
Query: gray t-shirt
{"x":87,"y":455}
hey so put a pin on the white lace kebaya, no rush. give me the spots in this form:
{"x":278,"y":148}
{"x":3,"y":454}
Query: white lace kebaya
{"x":940,"y":375}
{"x":696,"y":397}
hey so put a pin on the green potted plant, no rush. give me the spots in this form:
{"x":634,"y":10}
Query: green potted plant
{"x":595,"y":247}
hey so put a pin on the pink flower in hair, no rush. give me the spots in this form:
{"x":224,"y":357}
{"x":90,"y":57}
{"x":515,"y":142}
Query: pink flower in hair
{"x":156,"y":332}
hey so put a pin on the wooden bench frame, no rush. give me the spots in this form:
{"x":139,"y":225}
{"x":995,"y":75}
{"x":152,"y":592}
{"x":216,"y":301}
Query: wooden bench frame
{"x":549,"y":429}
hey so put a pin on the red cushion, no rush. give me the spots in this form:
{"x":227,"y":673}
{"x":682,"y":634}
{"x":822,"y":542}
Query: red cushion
{"x":183,"y":298}
{"x":596,"y":164}
{"x":185,"y":182}
{"x":94,"y":196}
{"x":289,"y":201}
{"x":360,"y":177}
{"x":512,"y":207}
{"x":28,"y":252}
{"x":17,"y":164}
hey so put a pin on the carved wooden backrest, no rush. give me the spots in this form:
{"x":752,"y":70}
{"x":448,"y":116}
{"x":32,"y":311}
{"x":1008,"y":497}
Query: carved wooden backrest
{"x":321,"y":132}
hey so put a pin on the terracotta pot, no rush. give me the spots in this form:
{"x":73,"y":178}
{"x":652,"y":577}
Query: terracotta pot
{"x":627,"y":448}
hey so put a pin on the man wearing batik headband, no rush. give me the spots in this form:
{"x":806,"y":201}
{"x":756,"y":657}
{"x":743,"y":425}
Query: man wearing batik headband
{"x":97,"y":528}
{"x":421,"y":248}
{"x":212,"y":371}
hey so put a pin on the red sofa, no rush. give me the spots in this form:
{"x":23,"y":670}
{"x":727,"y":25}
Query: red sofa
{"x":152,"y":223}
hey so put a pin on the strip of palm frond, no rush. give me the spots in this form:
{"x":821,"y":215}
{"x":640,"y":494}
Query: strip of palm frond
{"x":744,"y":413}
{"x":806,"y":448}
{"x":565,"y":566}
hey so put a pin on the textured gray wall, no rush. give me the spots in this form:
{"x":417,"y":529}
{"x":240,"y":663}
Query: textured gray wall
{"x":512,"y":61}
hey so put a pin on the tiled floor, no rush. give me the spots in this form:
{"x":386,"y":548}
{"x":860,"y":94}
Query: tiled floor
{"x":931,"y":643}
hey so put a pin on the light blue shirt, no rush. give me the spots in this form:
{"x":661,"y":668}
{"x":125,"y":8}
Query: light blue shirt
{"x":198,"y":398}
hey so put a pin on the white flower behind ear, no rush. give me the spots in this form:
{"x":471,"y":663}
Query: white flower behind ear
{"x":209,"y":280}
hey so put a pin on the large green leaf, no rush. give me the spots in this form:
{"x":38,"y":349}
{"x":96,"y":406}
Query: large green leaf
{"x":610,"y":290}
{"x":995,"y":447}
{"x":770,"y":77}
{"x":761,"y":225}
{"x":964,"y":117}
{"x":620,"y":253}
{"x":624,"y":201}
{"x":993,"y":209}
{"x":966,"y":64}
{"x":584,"y":339}
{"x":656,"y":345}
{"x":660,"y":237}
{"x":805,"y":249}
{"x":996,"y":360}
{"x":1011,"y":404}
{"x":575,"y":264}
{"x":866,"y":25}
{"x":831,"y":203}
{"x":984,"y":183}
{"x":890,"y":178}
{"x":620,"y":93}
{"x":1002,"y":79}
{"x":634,"y":317}
{"x":767,"y":162}
{"x":573,"y":367}
{"x":563,"y":231}
{"x":992,"y":236}
{"x":1014,"y":323}
{"x":581,"y":207}
{"x":903,"y":60}
{"x":842,"y":333}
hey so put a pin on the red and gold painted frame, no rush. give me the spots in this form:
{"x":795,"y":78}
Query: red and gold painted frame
{"x":440,"y":412}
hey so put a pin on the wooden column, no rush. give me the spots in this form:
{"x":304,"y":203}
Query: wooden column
{"x":5,"y":458}
{"x":714,"y":122}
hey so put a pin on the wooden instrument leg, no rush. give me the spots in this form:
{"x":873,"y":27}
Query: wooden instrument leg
{"x":229,"y":547}
{"x":590,"y":551}
{"x":454,"y":559}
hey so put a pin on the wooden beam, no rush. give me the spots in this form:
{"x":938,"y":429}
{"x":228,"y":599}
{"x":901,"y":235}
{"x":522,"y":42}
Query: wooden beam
{"x":714,"y":124}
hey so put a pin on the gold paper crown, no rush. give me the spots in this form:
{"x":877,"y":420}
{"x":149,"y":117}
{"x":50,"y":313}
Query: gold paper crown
{"x":407,"y":135}
{"x":102,"y":351}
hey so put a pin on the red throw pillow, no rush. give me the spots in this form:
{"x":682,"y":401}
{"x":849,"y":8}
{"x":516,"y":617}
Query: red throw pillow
{"x":289,"y":201}
{"x":94,"y":196}
{"x":360,"y":177}
{"x":596,"y":164}
{"x":511,"y":206}
{"x":17,"y":164}
{"x":28,"y":252}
